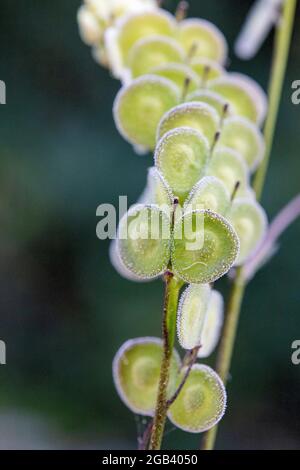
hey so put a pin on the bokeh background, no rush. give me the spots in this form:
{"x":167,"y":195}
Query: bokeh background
{"x":64,"y":311}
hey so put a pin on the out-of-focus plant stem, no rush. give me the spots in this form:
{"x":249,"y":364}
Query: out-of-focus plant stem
{"x":281,"y":51}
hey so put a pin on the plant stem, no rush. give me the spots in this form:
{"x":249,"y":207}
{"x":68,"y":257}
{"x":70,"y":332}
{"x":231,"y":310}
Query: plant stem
{"x":281,"y":49}
{"x":168,"y":330}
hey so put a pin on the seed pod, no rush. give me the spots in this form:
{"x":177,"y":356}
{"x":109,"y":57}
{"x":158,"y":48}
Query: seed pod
{"x":139,"y":107}
{"x":136,"y":369}
{"x":182,"y":75}
{"x":239,"y":96}
{"x":191,"y":315}
{"x":250,"y":222}
{"x":159,"y":192}
{"x":243,"y":136}
{"x":228,"y":165}
{"x":144,"y":240}
{"x":213,"y":323}
{"x":90,"y":29}
{"x":137,"y":26}
{"x":199,"y":116}
{"x":208,"y":97}
{"x":202,"y":401}
{"x":206,"y":69}
{"x":151,"y":52}
{"x":206,"y":39}
{"x":204,"y":247}
{"x":209,"y":194}
{"x":181,"y":156}
{"x":119,"y":266}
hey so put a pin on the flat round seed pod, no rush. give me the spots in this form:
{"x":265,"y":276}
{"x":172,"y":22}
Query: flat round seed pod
{"x":144,"y":240}
{"x":209,"y":97}
{"x":159,"y":191}
{"x":136,"y":369}
{"x":191,"y":315}
{"x":228,"y":165}
{"x":243,"y":136}
{"x":250,"y":222}
{"x":206,"y":39}
{"x":206,"y":69}
{"x":241,"y":100}
{"x":139,"y":107}
{"x":153,"y":51}
{"x":179,"y":74}
{"x":204,"y":247}
{"x":119,"y":266}
{"x":213,"y":323}
{"x":201,"y":403}
{"x":136,"y":26}
{"x":199,"y":116}
{"x":181,"y":156}
{"x":209,"y":194}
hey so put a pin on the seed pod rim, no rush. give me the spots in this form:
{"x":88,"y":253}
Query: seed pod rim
{"x":218,"y":329}
{"x":205,"y":180}
{"x":154,"y":172}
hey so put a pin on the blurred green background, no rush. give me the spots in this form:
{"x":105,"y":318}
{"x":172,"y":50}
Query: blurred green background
{"x":64,"y":311}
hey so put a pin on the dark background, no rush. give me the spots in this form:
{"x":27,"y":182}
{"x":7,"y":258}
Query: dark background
{"x":64,"y":311}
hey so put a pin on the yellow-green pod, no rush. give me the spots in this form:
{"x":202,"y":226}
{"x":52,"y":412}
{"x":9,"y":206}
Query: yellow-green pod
{"x":144,"y":240}
{"x":204,"y":247}
{"x":179,"y":74}
{"x":198,"y":116}
{"x":191,"y":315}
{"x":202,"y":401}
{"x":119,"y":266}
{"x":139,"y":107}
{"x":209,"y":194}
{"x":250,"y":222}
{"x":208,"y":97}
{"x":213,"y":323}
{"x":243,"y":136}
{"x":181,"y":156}
{"x":206,"y":69}
{"x":153,"y":51}
{"x":228,"y":165}
{"x":206,"y":39}
{"x":159,"y":191}
{"x":136,"y":369}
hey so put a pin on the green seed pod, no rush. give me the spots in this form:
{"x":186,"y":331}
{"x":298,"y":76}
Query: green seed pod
{"x":144,"y":240}
{"x":133,"y":27}
{"x":202,"y":401}
{"x":199,"y":116}
{"x":204,"y":37}
{"x":136,"y":369}
{"x":119,"y":266}
{"x":191,"y":315}
{"x":204,"y":247}
{"x":243,"y":136}
{"x":181,"y":156}
{"x":179,"y":74}
{"x":239,"y":96}
{"x":209,"y":97}
{"x":228,"y":165}
{"x":206,"y":69}
{"x":209,"y":194}
{"x":250,"y":222}
{"x":139,"y":107}
{"x":153,"y":51}
{"x":212,"y":324}
{"x":159,"y":192}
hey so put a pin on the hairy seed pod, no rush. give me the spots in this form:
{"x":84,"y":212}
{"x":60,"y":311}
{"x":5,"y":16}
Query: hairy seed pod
{"x":228,"y":165}
{"x":239,"y":96}
{"x":204,"y":37}
{"x":159,"y":191}
{"x":153,"y":51}
{"x":213,"y":323}
{"x":139,"y":107}
{"x":206,"y":69}
{"x":181,"y":156}
{"x":191,"y":315}
{"x":250,"y":222}
{"x":208,"y":97}
{"x":209,"y":194}
{"x":199,"y":116}
{"x":202,"y":401}
{"x":136,"y":369}
{"x":144,"y":240}
{"x":119,"y":266}
{"x":204,"y":247}
{"x":243,"y":136}
{"x":182,"y":75}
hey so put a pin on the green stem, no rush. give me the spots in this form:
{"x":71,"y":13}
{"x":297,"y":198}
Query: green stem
{"x":281,"y":49}
{"x":168,"y":330}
